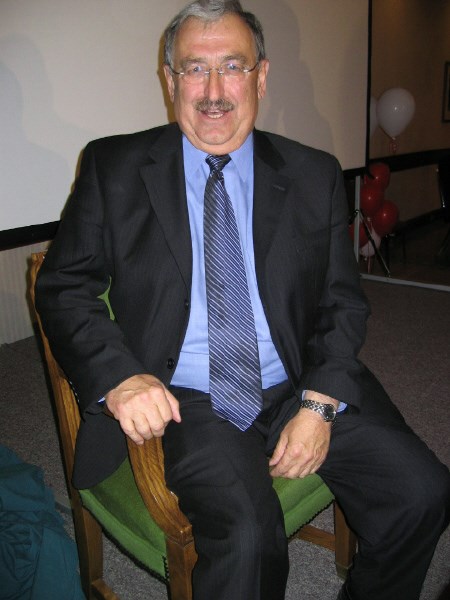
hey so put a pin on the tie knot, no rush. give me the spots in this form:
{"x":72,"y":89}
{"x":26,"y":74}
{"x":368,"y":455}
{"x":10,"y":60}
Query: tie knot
{"x":217,"y":163}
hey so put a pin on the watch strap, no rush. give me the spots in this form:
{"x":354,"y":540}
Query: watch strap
{"x":326,"y":411}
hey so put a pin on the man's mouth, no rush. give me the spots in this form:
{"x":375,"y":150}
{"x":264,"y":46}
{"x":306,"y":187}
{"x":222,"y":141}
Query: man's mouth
{"x":214,"y":109}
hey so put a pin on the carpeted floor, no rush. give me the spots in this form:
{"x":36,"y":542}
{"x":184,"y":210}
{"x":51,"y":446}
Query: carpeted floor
{"x":407,"y":348}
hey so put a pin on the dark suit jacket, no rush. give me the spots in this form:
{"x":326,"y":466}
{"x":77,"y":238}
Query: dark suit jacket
{"x":126,"y":226}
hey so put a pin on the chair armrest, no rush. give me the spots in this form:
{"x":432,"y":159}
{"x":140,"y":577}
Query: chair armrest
{"x":65,"y":403}
{"x":147,"y":462}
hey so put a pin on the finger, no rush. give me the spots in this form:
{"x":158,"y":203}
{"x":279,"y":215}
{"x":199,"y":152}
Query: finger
{"x":310,"y":467}
{"x":158,"y":426}
{"x":168,"y":410}
{"x":129,"y":429}
{"x":283,"y":469}
{"x":142,"y":426}
{"x":304,"y":472}
{"x":162,"y":408}
{"x":156,"y":417}
{"x":278,"y":453}
{"x":175,"y":406}
{"x":293,"y":465}
{"x":292,"y":470}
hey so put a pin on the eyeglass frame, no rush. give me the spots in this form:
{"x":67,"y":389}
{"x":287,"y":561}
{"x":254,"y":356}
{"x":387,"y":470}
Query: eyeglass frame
{"x":208,"y":72}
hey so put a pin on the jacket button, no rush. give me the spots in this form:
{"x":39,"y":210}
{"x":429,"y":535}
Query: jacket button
{"x":170,"y":363}
{"x":186,"y":304}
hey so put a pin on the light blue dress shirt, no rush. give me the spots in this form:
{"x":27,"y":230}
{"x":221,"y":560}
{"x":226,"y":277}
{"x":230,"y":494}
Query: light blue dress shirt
{"x":192,"y":370}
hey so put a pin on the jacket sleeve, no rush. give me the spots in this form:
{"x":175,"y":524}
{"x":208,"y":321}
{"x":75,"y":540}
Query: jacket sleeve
{"x":339,"y":327}
{"x":86,"y":342}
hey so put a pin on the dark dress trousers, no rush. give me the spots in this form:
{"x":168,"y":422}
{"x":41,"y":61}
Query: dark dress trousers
{"x":126,"y":227}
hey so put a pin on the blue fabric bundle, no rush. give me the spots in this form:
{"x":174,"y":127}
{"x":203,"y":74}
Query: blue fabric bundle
{"x":38,"y":560}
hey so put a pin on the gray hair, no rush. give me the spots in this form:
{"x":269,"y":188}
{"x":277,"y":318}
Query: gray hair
{"x":210,"y":11}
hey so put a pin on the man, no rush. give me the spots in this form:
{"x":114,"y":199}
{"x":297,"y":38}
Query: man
{"x":144,"y":221}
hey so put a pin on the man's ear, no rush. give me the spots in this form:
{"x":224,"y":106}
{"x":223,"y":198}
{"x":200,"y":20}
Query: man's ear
{"x":262,"y":78}
{"x":169,"y":81}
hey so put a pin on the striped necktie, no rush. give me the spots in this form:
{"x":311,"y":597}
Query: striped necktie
{"x":234,"y":370}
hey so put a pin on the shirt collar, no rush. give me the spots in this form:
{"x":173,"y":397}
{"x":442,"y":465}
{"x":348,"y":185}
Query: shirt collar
{"x":242,"y":157}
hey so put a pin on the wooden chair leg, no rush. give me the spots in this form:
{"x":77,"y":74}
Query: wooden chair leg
{"x":89,"y":538}
{"x":345,"y":543}
{"x":310,"y":533}
{"x":180,"y":562}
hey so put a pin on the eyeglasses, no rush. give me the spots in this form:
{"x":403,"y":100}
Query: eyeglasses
{"x":230,"y":70}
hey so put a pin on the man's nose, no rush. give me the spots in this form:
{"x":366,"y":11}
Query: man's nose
{"x":214,"y":85}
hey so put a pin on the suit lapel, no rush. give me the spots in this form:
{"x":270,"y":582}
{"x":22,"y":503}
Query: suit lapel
{"x":270,"y":192}
{"x":163,"y":177}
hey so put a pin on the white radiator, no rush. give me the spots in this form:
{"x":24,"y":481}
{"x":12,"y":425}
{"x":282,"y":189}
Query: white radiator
{"x":15,"y":312}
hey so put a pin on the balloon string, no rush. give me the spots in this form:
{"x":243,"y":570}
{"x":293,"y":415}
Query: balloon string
{"x":393,"y":146}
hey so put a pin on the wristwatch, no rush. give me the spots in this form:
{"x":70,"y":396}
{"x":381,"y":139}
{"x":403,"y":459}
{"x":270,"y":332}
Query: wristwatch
{"x":326,"y":411}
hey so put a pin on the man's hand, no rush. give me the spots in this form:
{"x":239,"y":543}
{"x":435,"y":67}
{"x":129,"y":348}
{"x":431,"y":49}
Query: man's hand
{"x":303,"y":444}
{"x":143,"y":406}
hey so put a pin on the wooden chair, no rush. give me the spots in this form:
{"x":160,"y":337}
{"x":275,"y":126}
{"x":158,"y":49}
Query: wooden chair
{"x":135,"y":507}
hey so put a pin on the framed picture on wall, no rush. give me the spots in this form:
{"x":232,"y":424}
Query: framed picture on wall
{"x":446,"y":100}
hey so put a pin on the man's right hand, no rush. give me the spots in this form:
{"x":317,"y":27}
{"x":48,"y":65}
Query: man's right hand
{"x":143,"y":406}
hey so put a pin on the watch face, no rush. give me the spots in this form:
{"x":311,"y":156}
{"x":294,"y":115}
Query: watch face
{"x":329,"y":412}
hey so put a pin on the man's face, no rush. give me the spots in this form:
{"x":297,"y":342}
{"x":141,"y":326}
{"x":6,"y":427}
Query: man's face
{"x":216,"y":114}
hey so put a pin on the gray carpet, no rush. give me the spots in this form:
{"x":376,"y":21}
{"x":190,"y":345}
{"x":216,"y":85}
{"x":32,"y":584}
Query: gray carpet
{"x":407,"y":348}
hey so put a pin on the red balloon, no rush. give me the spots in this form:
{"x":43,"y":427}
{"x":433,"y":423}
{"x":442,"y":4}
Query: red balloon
{"x":371,"y":198}
{"x":363,"y":239}
{"x":384,"y":220}
{"x":380,"y":173}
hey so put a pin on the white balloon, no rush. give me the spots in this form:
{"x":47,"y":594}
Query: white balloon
{"x":395,"y":109}
{"x":368,"y":250}
{"x":373,"y":115}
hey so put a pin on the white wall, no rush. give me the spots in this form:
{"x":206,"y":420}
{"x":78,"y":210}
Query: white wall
{"x":72,"y":71}
{"x":317,"y":90}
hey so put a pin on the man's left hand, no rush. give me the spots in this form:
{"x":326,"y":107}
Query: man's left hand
{"x":303,"y":444}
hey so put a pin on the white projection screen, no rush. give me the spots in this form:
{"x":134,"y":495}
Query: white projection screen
{"x":74,"y":71}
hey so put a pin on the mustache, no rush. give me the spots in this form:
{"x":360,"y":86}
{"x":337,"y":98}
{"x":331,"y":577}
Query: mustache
{"x":220,"y":104}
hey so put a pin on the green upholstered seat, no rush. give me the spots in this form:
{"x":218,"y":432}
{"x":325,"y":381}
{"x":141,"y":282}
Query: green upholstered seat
{"x":301,"y":500}
{"x":118,"y":506}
